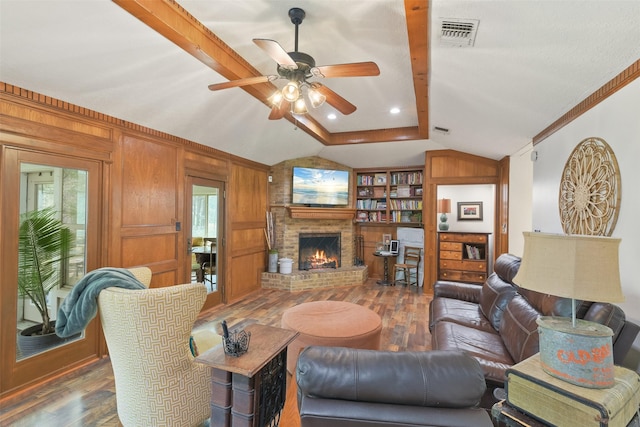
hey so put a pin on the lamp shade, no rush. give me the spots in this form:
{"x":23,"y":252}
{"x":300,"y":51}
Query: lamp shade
{"x":291,"y":91}
{"x":571,"y":266}
{"x":444,"y":205}
{"x":316,"y":97}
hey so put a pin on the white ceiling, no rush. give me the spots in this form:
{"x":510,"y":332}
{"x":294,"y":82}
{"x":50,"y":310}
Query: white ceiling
{"x":531,"y":62}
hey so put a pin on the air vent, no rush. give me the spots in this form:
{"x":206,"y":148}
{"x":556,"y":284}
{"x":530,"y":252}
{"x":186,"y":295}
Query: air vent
{"x":442,"y":130}
{"x":458,"y":32}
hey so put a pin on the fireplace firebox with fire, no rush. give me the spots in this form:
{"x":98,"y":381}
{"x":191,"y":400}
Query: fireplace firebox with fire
{"x":318,"y":251}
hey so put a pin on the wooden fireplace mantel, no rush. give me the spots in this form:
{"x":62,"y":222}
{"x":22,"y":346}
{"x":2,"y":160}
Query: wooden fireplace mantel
{"x":303,"y":212}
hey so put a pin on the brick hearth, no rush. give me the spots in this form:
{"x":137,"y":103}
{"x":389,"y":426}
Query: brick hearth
{"x":315,"y":279}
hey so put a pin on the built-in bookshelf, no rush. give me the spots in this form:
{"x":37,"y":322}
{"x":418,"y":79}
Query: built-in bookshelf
{"x":392,"y":196}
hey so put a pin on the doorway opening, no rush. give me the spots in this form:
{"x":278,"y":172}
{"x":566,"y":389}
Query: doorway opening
{"x":204,"y":236}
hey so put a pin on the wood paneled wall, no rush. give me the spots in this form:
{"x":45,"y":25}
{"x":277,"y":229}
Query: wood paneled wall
{"x":142,"y":190}
{"x":247,"y":201}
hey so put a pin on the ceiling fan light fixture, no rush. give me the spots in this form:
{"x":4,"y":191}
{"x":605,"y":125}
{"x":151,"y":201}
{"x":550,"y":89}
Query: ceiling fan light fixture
{"x":276,"y":99}
{"x":291,"y":91}
{"x":316,"y":98}
{"x":299,"y":107}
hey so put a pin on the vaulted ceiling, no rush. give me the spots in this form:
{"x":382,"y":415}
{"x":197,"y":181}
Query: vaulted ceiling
{"x":150,"y":62}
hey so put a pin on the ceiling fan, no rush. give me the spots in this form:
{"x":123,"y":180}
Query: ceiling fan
{"x":297,"y":68}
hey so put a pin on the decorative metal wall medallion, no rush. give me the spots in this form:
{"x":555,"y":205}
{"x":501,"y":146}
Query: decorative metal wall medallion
{"x":590,"y":188}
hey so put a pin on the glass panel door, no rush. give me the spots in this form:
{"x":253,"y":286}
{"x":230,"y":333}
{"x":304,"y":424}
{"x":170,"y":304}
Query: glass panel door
{"x":51,"y":217}
{"x":204,"y":237}
{"x":51,"y":250}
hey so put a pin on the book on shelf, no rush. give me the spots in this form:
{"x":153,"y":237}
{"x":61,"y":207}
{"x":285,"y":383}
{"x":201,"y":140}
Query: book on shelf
{"x":365,"y":180}
{"x":367,"y":204}
{"x":413,"y":178}
{"x":406,"y":205}
{"x":473,"y":252}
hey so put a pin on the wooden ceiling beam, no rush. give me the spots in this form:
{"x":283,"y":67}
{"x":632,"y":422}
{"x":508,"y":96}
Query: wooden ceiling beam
{"x":375,"y":135}
{"x":172,"y":21}
{"x":417,"y":15}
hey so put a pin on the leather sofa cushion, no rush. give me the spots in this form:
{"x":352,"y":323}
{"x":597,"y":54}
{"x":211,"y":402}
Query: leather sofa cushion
{"x":495,"y":296}
{"x":607,"y":314}
{"x":322,"y":412}
{"x":433,"y":378}
{"x":506,"y":267}
{"x":457,"y":311}
{"x":547,"y":305}
{"x":519,"y":329}
{"x":457,"y":290}
{"x":486,"y":347}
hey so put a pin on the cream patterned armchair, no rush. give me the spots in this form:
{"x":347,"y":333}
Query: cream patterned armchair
{"x":147,"y":332}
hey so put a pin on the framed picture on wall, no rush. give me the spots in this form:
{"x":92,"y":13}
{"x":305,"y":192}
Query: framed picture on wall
{"x":469,"y":211}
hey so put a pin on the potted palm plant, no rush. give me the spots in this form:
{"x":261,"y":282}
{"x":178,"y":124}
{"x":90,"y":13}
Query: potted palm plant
{"x":44,"y":243}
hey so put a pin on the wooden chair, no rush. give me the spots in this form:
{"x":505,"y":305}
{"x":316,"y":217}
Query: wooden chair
{"x":410,"y":261}
{"x":195,"y":265}
{"x":209,"y":266}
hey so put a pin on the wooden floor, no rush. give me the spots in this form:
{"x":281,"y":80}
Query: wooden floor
{"x":87,"y":397}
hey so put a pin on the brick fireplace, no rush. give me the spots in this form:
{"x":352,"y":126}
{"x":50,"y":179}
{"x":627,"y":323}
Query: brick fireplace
{"x":292,"y":221}
{"x":317,"y":251}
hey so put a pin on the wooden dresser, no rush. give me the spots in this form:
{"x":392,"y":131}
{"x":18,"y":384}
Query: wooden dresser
{"x":462,"y":257}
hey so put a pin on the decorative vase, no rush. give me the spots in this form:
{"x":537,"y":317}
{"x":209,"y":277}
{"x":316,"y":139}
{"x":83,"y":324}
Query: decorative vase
{"x":443,"y":226}
{"x":273,"y":261}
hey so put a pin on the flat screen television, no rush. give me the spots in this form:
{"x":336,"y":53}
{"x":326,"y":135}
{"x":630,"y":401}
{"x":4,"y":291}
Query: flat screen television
{"x":320,"y":187}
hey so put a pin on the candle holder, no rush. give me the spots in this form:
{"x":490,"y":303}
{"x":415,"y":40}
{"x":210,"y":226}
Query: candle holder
{"x":237,"y":343}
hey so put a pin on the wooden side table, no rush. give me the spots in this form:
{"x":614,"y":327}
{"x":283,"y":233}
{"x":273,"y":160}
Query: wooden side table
{"x":250,"y":390}
{"x":385,"y":280}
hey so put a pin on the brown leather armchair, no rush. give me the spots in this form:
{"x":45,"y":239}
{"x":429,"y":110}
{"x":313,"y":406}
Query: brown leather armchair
{"x":346,"y":387}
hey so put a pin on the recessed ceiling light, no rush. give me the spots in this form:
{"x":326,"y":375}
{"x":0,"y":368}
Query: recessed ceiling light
{"x":331,"y":116}
{"x":394,"y":110}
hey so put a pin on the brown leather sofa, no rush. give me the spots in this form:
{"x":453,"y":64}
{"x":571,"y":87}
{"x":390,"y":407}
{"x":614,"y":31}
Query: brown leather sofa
{"x":346,"y":387}
{"x":496,"y":322}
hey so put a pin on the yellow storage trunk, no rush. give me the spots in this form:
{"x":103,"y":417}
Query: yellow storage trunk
{"x":562,"y":404}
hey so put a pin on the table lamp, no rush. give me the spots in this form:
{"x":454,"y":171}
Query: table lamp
{"x":577,"y":267}
{"x":444,"y":207}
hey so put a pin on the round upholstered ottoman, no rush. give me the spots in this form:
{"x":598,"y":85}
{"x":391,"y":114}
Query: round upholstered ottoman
{"x":331,"y":323}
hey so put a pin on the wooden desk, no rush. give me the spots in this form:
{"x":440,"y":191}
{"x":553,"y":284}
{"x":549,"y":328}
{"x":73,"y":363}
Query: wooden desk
{"x":250,"y":390}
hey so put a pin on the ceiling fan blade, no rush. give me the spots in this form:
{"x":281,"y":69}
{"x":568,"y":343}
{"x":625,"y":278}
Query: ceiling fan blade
{"x":241,"y":82}
{"x":335,"y":100}
{"x":278,"y":112}
{"x":355,"y":69}
{"x":276,"y":52}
